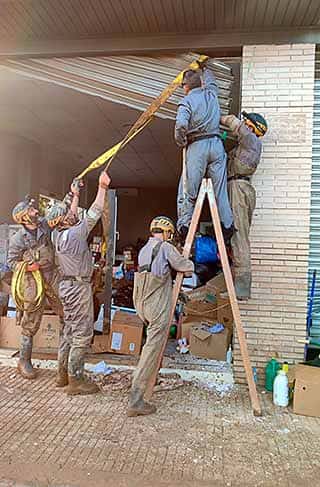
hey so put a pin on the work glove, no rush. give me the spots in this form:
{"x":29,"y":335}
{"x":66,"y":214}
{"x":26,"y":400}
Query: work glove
{"x":76,"y":186}
{"x":199,"y":63}
{"x":202,"y":61}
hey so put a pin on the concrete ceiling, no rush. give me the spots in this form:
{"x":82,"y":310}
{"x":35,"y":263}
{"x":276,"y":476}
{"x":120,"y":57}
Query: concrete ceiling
{"x":74,"y":19}
{"x":111,"y":27}
{"x":81,"y":127}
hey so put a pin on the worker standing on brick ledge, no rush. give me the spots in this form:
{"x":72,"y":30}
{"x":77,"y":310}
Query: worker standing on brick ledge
{"x":152,"y":299}
{"x":243,"y":160}
{"x":197,"y":129}
{"x":75,"y":263}
{"x":31,"y":246}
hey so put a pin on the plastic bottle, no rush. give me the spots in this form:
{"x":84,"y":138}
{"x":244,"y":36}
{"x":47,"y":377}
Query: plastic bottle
{"x":255,"y":374}
{"x":270,"y":373}
{"x":281,"y":389}
{"x":229,"y":355}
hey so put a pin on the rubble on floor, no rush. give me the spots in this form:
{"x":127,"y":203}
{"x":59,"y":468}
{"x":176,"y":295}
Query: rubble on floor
{"x":120,"y":381}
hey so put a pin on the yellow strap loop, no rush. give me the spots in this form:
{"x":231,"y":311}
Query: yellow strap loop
{"x":18,"y":289}
{"x":144,"y":119}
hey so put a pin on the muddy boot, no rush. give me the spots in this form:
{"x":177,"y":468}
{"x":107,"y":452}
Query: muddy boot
{"x":182,"y":234}
{"x":25,"y":365}
{"x":242,"y":285}
{"x":139,"y":407}
{"x":62,"y":376}
{"x":62,"y":373}
{"x":227,"y":233}
{"x":79,"y":386}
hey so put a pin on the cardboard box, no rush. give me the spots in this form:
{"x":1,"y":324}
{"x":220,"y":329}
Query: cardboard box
{"x":125,"y":335}
{"x":209,"y":297}
{"x":186,"y":328}
{"x":306,"y":399}
{"x":202,"y":293}
{"x":206,"y":345}
{"x":200,"y":311}
{"x":217,"y":284}
{"x":224,"y":312}
{"x":46,"y":337}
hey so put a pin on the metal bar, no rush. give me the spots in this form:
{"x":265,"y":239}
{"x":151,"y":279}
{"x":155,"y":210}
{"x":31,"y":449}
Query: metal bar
{"x":163,"y":43}
{"x":128,"y":80}
{"x":310,"y":309}
{"x":109,"y":229}
{"x":233,"y":300}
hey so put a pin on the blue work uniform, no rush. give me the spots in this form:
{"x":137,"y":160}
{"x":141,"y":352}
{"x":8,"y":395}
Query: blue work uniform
{"x":197,"y":129}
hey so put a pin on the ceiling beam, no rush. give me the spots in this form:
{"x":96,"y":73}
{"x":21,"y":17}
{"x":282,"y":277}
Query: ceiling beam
{"x":224,"y":42}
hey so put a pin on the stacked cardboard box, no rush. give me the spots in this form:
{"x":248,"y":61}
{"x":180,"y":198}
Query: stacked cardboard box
{"x":125,"y":336}
{"x":206,"y":306}
{"x":46,"y":338}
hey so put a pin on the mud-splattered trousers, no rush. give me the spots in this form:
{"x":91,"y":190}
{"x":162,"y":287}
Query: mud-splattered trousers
{"x":152,"y":299}
{"x":77,"y":333}
{"x":35,"y":246}
{"x":75,"y":292}
{"x":243,"y":161}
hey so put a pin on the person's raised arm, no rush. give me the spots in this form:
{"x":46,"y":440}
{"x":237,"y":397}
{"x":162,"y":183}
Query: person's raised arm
{"x":95,"y":211}
{"x":209,"y":80}
{"x":182,"y":123}
{"x":75,"y":190}
{"x":104,"y":182}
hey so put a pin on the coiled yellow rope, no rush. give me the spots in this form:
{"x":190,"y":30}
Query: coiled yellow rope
{"x":18,"y":289}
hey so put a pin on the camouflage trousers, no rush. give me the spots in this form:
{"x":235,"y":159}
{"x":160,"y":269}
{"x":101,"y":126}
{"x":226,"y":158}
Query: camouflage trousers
{"x":30,"y":320}
{"x":242,"y":197}
{"x":152,"y":300}
{"x":77,"y":332}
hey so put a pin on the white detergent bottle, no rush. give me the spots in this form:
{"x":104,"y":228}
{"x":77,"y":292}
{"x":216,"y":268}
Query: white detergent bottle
{"x":229,"y":355}
{"x":281,"y":389}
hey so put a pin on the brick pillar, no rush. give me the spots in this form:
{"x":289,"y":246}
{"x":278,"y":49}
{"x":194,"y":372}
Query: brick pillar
{"x":278,"y":81}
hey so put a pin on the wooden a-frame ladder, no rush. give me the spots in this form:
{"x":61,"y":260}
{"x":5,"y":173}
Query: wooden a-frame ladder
{"x":206,"y":189}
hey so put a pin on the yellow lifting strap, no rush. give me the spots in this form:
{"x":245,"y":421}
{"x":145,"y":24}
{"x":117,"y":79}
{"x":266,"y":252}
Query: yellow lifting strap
{"x":18,"y":289}
{"x":144,"y":119}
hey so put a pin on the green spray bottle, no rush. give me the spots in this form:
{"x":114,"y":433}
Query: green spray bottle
{"x":271,"y":371}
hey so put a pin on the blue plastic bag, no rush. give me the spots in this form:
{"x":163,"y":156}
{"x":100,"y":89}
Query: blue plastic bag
{"x":206,"y":250}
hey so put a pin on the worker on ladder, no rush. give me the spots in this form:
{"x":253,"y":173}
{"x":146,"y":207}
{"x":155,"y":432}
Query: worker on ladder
{"x":152,"y":298}
{"x":243,"y":161}
{"x":75,"y":263}
{"x":197,"y":130}
{"x":31,"y":255}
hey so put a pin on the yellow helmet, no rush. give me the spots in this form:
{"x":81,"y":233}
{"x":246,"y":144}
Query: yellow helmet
{"x":56,"y":214}
{"x":20,"y":212}
{"x":256,"y":122}
{"x":163,"y":224}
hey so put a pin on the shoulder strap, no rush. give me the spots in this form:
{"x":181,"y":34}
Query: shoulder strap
{"x":155,"y":252}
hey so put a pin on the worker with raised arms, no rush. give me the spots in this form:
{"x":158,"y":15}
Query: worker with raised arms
{"x":75,"y":291}
{"x":197,"y":130}
{"x":243,"y":161}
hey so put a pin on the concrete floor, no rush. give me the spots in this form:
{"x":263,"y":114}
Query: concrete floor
{"x":195,"y":439}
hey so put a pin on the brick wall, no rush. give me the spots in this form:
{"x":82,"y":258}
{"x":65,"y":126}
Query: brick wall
{"x":277,"y":81}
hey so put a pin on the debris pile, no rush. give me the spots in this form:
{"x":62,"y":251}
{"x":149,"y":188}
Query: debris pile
{"x":120,"y":381}
{"x":113,"y":380}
